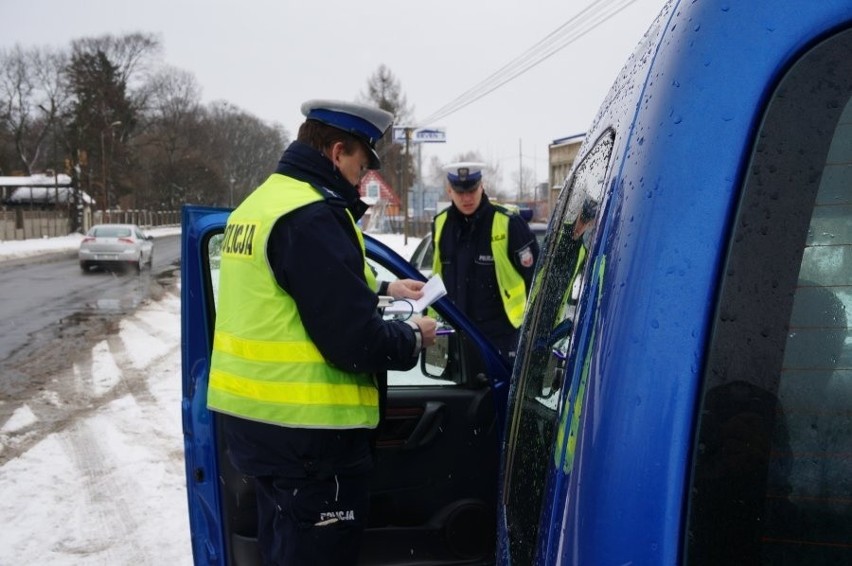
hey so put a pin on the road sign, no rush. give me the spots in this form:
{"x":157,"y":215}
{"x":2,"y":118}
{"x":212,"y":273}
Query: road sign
{"x":420,"y":135}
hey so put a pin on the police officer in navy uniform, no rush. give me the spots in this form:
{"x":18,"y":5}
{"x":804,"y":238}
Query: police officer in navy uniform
{"x":486,"y":254}
{"x":300,"y":350}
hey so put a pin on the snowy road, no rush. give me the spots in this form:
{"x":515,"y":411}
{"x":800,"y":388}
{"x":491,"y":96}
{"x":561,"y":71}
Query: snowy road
{"x":91,"y":449}
{"x":106,"y":485}
{"x":91,"y":456}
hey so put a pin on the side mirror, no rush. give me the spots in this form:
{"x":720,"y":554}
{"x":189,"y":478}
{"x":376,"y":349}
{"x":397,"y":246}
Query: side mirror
{"x":435,"y":359}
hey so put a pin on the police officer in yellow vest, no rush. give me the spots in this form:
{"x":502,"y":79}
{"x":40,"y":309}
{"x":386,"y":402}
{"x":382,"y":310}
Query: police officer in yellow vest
{"x":300,"y":350}
{"x":486,"y":254}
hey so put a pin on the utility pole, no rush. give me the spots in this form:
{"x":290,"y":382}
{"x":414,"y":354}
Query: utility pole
{"x":411,"y":134}
{"x":419,"y":183}
{"x":520,"y":173}
{"x":408,"y":131}
{"x":104,"y":205}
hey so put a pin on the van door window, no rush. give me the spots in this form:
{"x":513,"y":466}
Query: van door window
{"x":772,"y":473}
{"x":546,"y":357}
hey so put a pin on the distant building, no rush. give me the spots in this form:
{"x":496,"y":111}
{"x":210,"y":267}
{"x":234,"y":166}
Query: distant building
{"x":384,"y":203}
{"x":562,"y":153}
{"x":426,"y":201}
{"x":41,"y":191}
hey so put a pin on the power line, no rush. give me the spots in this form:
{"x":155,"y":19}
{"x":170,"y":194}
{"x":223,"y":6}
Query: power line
{"x":589,"y":18}
{"x":576,"y":27}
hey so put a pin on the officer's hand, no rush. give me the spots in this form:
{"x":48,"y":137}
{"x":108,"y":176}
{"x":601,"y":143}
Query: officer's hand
{"x":428,"y":326}
{"x":405,"y":289}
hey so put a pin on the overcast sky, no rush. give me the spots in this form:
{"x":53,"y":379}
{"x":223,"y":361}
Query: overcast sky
{"x":269,"y":56}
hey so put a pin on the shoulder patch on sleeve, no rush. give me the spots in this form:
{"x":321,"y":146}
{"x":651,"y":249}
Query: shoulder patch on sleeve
{"x":525,"y":257}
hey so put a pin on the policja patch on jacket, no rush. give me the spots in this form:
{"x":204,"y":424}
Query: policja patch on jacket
{"x":239,"y":240}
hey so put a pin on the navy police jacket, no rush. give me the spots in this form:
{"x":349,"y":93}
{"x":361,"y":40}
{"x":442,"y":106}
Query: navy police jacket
{"x":316,"y":257}
{"x":468,"y":267}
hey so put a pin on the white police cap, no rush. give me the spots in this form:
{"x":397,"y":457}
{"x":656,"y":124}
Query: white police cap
{"x":367,"y":123}
{"x":464,"y":176}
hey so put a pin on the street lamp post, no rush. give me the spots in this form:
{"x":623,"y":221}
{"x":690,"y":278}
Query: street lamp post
{"x":104,"y":204}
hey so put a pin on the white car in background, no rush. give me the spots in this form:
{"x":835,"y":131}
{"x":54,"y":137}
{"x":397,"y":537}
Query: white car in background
{"x":118,"y":245}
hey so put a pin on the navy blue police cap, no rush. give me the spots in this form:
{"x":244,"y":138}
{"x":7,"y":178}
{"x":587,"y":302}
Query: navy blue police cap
{"x":465,"y":176}
{"x":367,"y":123}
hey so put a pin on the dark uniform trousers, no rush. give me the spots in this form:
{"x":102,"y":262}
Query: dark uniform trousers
{"x":311,"y":487}
{"x":314,"y":521}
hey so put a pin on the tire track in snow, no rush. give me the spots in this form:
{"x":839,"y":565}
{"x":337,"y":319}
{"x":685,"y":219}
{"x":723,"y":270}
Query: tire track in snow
{"x":103,"y":475}
{"x":98,"y":376}
{"x":108,"y":516}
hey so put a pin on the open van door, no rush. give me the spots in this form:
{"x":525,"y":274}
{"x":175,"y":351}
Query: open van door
{"x":433,"y":497}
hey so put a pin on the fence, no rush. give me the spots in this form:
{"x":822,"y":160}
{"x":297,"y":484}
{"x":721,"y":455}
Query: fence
{"x":140,"y":217}
{"x":416,"y":227}
{"x":26,"y":224}
{"x":20,"y":224}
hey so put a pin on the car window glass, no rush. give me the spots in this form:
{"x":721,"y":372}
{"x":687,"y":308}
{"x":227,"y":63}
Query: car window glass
{"x":772,"y":475}
{"x":428,"y":255}
{"x":381,"y":272}
{"x":544,"y":353}
{"x":214,"y":258}
{"x":421,"y":259}
{"x":111,"y":232}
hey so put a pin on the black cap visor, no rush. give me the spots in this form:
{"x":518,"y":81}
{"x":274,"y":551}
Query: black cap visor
{"x":466,"y":186}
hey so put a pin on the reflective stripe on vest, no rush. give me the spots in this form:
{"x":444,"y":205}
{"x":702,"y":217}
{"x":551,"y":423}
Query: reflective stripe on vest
{"x":264,"y":365}
{"x":510,"y":283}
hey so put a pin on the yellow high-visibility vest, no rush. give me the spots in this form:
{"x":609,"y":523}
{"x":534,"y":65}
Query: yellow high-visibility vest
{"x":264,"y":365}
{"x":511,"y":284}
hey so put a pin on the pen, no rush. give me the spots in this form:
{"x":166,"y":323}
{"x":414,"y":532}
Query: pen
{"x":444,"y":331}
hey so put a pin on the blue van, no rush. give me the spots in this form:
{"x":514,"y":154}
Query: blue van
{"x":683,"y":387}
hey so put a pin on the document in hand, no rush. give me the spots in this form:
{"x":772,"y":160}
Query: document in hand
{"x":432,"y":291}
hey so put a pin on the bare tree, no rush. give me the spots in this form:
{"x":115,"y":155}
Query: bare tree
{"x":524,"y":183}
{"x":168,"y":136}
{"x":435,"y":176}
{"x":244,"y":148}
{"x":173,"y":111}
{"x":32,"y":96}
{"x":134,"y":131}
{"x":134,"y":55}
